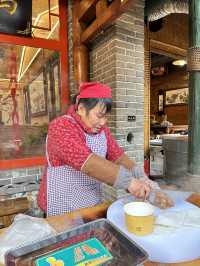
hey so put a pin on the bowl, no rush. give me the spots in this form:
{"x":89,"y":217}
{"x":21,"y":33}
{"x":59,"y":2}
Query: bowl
{"x":139,"y":217}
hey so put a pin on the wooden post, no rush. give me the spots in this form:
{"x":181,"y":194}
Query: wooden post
{"x":63,"y":53}
{"x":101,"y":6}
{"x":194,"y":88}
{"x":81,"y":68}
{"x":83,"y":33}
{"x":80,"y":51}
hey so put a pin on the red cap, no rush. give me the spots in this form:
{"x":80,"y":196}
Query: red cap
{"x":94,"y":90}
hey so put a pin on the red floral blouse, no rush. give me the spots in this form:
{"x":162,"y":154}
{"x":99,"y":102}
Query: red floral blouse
{"x":67,"y":146}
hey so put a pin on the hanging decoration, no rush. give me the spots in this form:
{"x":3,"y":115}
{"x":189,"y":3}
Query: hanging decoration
{"x":158,"y":71}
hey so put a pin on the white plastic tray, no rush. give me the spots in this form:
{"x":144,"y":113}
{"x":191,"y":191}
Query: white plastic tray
{"x":165,"y":244}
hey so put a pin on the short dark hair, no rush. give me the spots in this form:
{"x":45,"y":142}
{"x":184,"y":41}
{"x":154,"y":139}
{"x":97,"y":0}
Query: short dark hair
{"x":90,"y":103}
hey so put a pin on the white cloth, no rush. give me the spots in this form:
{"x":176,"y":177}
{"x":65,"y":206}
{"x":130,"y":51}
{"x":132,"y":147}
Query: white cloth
{"x":179,"y":218}
{"x":165,"y":244}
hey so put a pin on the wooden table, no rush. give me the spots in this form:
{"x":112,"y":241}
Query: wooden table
{"x":61,"y":223}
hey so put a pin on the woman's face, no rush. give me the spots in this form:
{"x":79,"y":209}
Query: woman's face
{"x":95,"y":118}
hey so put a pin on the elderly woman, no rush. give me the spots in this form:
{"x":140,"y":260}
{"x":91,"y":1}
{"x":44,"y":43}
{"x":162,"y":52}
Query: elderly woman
{"x":81,"y":154}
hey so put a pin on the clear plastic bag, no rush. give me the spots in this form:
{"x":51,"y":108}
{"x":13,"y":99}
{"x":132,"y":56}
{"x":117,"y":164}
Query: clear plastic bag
{"x":24,"y":230}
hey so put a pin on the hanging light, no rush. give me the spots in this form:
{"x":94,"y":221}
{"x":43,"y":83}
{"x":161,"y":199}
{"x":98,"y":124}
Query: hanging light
{"x":179,"y":62}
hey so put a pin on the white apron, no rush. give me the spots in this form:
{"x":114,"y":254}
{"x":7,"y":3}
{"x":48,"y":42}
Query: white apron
{"x":69,"y":189}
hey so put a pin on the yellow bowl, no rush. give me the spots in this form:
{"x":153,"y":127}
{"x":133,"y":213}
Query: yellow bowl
{"x":139,"y":217}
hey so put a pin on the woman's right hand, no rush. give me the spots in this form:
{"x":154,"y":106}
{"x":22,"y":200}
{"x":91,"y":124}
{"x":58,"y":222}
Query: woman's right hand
{"x":139,"y":189}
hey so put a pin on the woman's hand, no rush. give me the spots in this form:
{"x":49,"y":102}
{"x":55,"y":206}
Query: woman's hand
{"x":139,"y":189}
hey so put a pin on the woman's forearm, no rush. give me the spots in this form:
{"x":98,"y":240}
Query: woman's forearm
{"x":101,"y":169}
{"x":125,"y":161}
{"x":107,"y":171}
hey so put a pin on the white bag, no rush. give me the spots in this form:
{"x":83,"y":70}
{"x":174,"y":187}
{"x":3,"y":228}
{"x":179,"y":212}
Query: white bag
{"x":24,"y":230}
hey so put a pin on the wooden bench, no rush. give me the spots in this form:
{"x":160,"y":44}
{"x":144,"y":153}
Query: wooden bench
{"x":10,"y":207}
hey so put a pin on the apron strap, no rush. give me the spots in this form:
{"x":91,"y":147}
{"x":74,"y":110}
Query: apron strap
{"x":47,"y":155}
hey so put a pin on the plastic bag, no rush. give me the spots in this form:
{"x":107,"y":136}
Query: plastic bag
{"x":160,"y":199}
{"x":24,"y":230}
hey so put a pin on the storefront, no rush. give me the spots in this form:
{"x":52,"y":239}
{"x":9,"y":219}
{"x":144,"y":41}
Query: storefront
{"x":63,"y":44}
{"x":33,"y":85}
{"x":44,"y":72}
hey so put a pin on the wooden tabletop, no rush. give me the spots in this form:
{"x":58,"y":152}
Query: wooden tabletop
{"x":89,"y":214}
{"x":59,"y":223}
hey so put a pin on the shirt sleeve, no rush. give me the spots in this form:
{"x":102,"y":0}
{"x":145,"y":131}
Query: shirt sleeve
{"x":67,"y":142}
{"x":114,"y":151}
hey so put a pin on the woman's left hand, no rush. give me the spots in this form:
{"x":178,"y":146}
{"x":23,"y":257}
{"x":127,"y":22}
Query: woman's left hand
{"x":139,"y":189}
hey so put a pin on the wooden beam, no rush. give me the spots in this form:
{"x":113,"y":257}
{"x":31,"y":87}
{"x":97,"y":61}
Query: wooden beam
{"x":34,"y":42}
{"x":21,"y":163}
{"x":84,"y":7}
{"x":167,"y":49}
{"x":113,"y":11}
{"x":101,"y":7}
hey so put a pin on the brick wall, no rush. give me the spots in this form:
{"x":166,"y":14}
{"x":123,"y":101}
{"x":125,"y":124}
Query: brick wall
{"x":20,"y":180}
{"x":117,"y":58}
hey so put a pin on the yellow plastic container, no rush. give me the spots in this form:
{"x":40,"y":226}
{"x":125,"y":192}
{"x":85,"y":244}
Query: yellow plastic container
{"x":139,"y":218}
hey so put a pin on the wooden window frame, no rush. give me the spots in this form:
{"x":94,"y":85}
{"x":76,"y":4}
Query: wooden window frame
{"x":60,"y":45}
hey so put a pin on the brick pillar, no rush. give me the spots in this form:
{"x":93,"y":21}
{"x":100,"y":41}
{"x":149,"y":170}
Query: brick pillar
{"x":117,"y":59}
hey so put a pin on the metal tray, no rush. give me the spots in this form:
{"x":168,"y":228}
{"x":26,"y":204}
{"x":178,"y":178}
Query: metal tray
{"x":122,"y":248}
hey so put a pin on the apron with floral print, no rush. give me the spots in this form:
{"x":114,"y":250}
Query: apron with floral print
{"x":69,"y":189}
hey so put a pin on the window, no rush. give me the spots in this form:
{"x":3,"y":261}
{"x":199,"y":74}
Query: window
{"x":32,"y":89}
